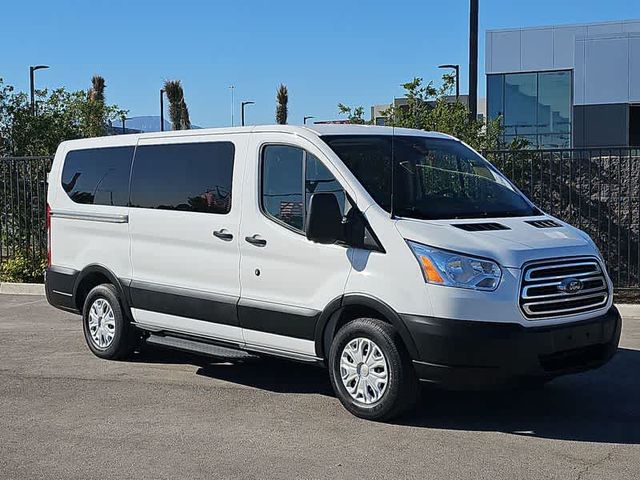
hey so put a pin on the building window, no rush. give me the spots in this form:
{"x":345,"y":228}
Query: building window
{"x":534,"y":106}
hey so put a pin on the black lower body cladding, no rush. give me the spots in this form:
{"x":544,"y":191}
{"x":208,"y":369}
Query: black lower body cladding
{"x":462,"y":354}
{"x":59,"y":288}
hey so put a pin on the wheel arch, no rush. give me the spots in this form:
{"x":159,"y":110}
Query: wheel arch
{"x":94,"y":275}
{"x":351,"y":306}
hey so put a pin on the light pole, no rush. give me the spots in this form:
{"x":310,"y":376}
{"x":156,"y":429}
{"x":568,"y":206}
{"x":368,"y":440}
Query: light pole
{"x":473,"y":58}
{"x":232,"y":88}
{"x":242,"y":110}
{"x":457,"y":69}
{"x":32,"y":85}
{"x":304,"y":120}
{"x":162,"y":109}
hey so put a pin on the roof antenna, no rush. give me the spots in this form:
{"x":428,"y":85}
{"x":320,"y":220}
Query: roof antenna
{"x":393,"y":180}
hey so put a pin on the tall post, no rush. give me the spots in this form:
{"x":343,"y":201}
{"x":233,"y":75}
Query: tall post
{"x":473,"y":58}
{"x":242,"y":110}
{"x":232,"y":88}
{"x":162,"y":110}
{"x":455,"y":67}
{"x":33,"y":91}
{"x":32,"y":86}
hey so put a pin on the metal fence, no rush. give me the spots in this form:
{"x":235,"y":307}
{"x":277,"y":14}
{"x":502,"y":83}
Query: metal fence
{"x":23,"y":198}
{"x":596,"y":190}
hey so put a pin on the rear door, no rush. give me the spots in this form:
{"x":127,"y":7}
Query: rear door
{"x":286,"y":279}
{"x":184,"y":219}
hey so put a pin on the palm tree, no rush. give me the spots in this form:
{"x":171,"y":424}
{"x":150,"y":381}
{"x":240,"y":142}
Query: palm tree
{"x":282,"y":97}
{"x":96,"y":92}
{"x":96,"y":115}
{"x":178,"y":111}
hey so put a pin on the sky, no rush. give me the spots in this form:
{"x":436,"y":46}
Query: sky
{"x":329,"y":51}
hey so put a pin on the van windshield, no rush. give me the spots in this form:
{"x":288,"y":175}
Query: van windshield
{"x":435,"y":178}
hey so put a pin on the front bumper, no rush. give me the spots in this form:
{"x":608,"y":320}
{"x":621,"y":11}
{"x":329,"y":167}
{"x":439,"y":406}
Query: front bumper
{"x":467,"y":354}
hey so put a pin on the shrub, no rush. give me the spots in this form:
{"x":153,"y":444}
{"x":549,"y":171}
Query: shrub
{"x":24,"y":267}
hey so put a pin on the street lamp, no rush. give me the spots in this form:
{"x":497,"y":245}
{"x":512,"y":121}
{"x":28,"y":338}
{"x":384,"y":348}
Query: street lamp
{"x":473,"y":58}
{"x":32,"y":85}
{"x":457,"y":69}
{"x":304,"y":120}
{"x":161,"y":110}
{"x":242,"y":110}
{"x":232,"y":88}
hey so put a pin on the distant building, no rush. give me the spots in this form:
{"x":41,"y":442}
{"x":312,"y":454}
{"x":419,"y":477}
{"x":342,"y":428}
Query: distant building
{"x":141,"y":124}
{"x":377,"y":111}
{"x":566,"y":86}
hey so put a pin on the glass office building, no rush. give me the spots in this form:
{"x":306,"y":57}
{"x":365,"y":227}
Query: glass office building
{"x":566,"y":85}
{"x":533,"y":106}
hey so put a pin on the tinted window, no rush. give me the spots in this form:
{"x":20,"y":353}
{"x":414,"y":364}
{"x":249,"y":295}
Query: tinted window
{"x":433,"y":178}
{"x":98,"y":176}
{"x":282,"y":182}
{"x":191,"y":177}
{"x":319,"y":179}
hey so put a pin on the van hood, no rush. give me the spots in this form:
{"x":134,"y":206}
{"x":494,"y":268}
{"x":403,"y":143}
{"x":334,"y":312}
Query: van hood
{"x":516,"y":243}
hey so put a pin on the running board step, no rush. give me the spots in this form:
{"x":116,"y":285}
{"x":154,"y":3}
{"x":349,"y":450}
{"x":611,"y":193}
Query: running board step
{"x":198,"y":347}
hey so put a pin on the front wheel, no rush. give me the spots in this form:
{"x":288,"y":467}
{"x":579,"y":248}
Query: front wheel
{"x":370,"y":371}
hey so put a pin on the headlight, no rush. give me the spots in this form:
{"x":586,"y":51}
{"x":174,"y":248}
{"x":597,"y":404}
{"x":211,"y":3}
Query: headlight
{"x":456,"y":270}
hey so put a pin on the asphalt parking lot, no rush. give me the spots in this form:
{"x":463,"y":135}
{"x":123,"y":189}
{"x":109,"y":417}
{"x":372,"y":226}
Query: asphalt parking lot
{"x":67,"y":414}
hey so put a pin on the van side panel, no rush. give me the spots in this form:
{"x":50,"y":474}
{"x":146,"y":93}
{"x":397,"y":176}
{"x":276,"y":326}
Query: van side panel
{"x":85,"y":234}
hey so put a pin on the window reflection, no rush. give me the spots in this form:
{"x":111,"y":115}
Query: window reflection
{"x":534,"y":106}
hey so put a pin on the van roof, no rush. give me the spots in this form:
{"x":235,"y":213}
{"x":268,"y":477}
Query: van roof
{"x":316,"y":129}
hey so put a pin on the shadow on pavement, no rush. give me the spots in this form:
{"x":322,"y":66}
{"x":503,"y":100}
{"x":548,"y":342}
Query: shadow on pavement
{"x":599,"y":406}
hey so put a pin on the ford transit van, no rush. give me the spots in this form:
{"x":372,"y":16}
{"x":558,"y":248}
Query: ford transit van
{"x":389,"y":256}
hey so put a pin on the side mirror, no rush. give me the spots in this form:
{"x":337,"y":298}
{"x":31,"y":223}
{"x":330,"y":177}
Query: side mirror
{"x":324,"y":219}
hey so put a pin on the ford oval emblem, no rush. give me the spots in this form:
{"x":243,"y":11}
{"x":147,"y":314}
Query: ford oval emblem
{"x":570,"y":285}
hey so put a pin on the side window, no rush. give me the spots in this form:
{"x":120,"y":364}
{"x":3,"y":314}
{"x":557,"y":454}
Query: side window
{"x":282,"y":184}
{"x":290,"y":175}
{"x":319,"y":179}
{"x":98,"y":176}
{"x":190,"y":177}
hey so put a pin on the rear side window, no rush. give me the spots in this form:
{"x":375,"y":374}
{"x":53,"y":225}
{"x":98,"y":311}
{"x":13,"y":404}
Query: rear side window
{"x":190,"y":177}
{"x":98,"y":176}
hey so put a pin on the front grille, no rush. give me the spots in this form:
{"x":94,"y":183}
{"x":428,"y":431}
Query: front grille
{"x":562,"y":287}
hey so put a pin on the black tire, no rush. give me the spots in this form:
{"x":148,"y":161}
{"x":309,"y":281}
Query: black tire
{"x":124,"y":335}
{"x":402,"y":390}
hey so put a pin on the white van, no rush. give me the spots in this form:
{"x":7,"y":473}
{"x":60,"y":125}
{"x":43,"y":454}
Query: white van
{"x":388,"y":256}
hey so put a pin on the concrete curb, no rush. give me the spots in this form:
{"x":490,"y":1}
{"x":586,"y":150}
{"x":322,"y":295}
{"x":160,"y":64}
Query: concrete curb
{"x":21,"y":288}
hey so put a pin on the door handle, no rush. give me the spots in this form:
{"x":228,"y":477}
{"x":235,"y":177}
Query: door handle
{"x":256,"y":240}
{"x":223,"y":234}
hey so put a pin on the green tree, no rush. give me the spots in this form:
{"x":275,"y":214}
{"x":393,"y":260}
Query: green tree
{"x":282,"y":109}
{"x":178,"y":111}
{"x":354,"y":114}
{"x":62,"y":115}
{"x":434,"y":109}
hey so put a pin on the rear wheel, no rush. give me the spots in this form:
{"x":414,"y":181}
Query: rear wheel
{"x":106,"y":329}
{"x":370,"y":370}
